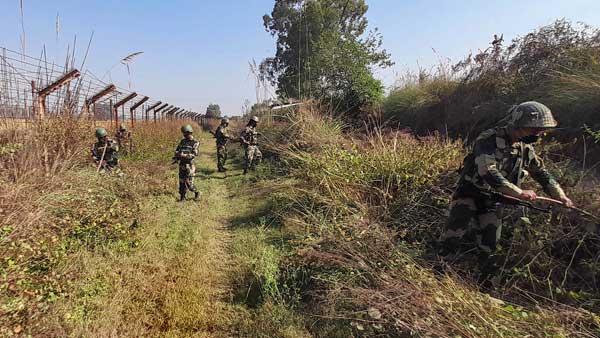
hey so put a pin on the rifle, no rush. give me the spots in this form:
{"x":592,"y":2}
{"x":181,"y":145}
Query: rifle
{"x":510,"y":200}
{"x":579,"y":210}
{"x":102,"y":157}
{"x":187,"y":150}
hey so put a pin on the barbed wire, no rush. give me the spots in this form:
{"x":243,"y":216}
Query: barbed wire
{"x":23,"y":76}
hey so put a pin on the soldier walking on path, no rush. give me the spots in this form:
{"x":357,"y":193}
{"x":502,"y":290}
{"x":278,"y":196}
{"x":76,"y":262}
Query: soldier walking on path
{"x":501,"y":159}
{"x":222,"y":138}
{"x":249,"y":139}
{"x":104,"y":151}
{"x":185,"y":153}
{"x":123,"y":137}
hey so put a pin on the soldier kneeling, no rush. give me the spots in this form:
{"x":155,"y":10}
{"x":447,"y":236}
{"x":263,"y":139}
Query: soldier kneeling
{"x":104,"y":151}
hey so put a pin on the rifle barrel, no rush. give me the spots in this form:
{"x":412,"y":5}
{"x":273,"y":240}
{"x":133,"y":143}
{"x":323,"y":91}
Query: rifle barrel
{"x":584,"y":212}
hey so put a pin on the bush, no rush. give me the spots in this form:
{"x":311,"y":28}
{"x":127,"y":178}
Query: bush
{"x":556,"y":65}
{"x":420,"y":102}
{"x":365,"y":210}
{"x":54,"y":204}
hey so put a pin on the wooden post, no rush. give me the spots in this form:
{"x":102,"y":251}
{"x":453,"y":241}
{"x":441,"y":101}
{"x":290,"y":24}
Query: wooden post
{"x":153,"y":107}
{"x":165,"y":111}
{"x":110,"y":106}
{"x":120,"y":104}
{"x":94,"y":98}
{"x":42,"y":94}
{"x":33,"y":98}
{"x":172,"y":111}
{"x":134,"y":107}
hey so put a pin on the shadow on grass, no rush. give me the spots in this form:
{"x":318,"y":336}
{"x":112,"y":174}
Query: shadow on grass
{"x":260,"y":213}
{"x":206,"y":171}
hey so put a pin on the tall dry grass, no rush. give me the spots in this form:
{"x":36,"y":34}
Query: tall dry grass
{"x":556,"y":64}
{"x":53,"y":202}
{"x":364,"y":212}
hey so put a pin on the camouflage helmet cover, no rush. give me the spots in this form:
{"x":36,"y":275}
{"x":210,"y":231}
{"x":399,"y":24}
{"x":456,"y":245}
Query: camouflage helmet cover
{"x":187,"y":129}
{"x":224,"y":120}
{"x":254,"y":118}
{"x":532,"y":114}
{"x":123,"y":127}
{"x":101,"y":132}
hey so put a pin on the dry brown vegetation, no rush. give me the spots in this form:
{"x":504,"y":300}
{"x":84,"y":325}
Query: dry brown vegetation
{"x":556,"y":65}
{"x":364,"y":212}
{"x":54,"y":204}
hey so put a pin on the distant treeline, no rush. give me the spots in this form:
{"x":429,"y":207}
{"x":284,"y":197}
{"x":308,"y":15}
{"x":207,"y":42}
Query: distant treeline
{"x":558,"y":65}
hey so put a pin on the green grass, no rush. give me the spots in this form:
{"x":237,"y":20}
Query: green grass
{"x":361,"y":215}
{"x":179,"y":270}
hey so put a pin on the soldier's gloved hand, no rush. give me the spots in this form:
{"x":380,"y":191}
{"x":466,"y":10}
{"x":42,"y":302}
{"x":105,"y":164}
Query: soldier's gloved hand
{"x":567,"y":202}
{"x":528,"y":195}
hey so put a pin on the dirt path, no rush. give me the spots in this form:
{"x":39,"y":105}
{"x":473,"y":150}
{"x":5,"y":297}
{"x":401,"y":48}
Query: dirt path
{"x":175,"y":283}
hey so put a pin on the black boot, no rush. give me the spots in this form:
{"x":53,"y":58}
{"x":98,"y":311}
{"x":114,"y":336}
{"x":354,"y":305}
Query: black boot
{"x":196,"y":195}
{"x":181,"y":198}
{"x":245,"y":171}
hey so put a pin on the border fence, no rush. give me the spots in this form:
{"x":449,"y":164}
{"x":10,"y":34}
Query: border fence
{"x":35,"y":89}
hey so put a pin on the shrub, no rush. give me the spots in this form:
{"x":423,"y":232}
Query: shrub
{"x":365,"y":210}
{"x":556,"y":65}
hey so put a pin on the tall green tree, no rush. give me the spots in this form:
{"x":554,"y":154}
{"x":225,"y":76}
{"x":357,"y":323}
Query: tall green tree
{"x":213,"y":110}
{"x":324,"y":51}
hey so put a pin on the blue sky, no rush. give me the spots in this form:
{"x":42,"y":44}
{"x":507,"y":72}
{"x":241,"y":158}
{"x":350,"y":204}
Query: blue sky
{"x":197,"y":51}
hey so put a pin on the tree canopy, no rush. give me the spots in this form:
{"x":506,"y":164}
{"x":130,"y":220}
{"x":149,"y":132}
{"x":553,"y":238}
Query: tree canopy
{"x":324,"y":51}
{"x":213,"y":110}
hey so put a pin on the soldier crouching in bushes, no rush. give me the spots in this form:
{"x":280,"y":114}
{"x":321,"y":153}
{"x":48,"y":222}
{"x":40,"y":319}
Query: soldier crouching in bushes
{"x":104,"y":152}
{"x":501,"y":159}
{"x":123,"y":137}
{"x":185,"y":153}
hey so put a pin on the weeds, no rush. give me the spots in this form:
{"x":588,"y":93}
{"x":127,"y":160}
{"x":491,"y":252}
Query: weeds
{"x":54,"y":206}
{"x":364,"y":212}
{"x":556,"y":65}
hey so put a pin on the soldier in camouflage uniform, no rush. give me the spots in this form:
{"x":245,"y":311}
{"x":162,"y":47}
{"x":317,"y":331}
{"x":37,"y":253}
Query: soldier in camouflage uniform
{"x":104,"y":151}
{"x":222,"y":137}
{"x":501,"y":159}
{"x":249,"y":139}
{"x":123,"y":137}
{"x":185,"y":153}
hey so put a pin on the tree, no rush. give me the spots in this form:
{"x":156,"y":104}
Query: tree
{"x":213,"y":110}
{"x":325,"y":52}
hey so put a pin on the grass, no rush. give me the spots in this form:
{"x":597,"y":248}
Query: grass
{"x":170,"y":285}
{"x":331,"y":237}
{"x":361,"y":213}
{"x":118,"y":256}
{"x":556,"y":64}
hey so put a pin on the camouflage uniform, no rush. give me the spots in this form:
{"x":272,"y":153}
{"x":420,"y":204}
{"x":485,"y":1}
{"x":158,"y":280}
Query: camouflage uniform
{"x":222,"y":137}
{"x":495,"y":164}
{"x":123,"y":137}
{"x":185,"y":153}
{"x":110,"y":160}
{"x":252,"y":154}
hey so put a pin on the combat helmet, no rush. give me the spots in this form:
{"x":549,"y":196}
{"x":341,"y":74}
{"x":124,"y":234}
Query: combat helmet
{"x":123,"y":127}
{"x":224,"y":120}
{"x":187,"y":129}
{"x":532,"y":114}
{"x":101,"y":132}
{"x":254,"y":118}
